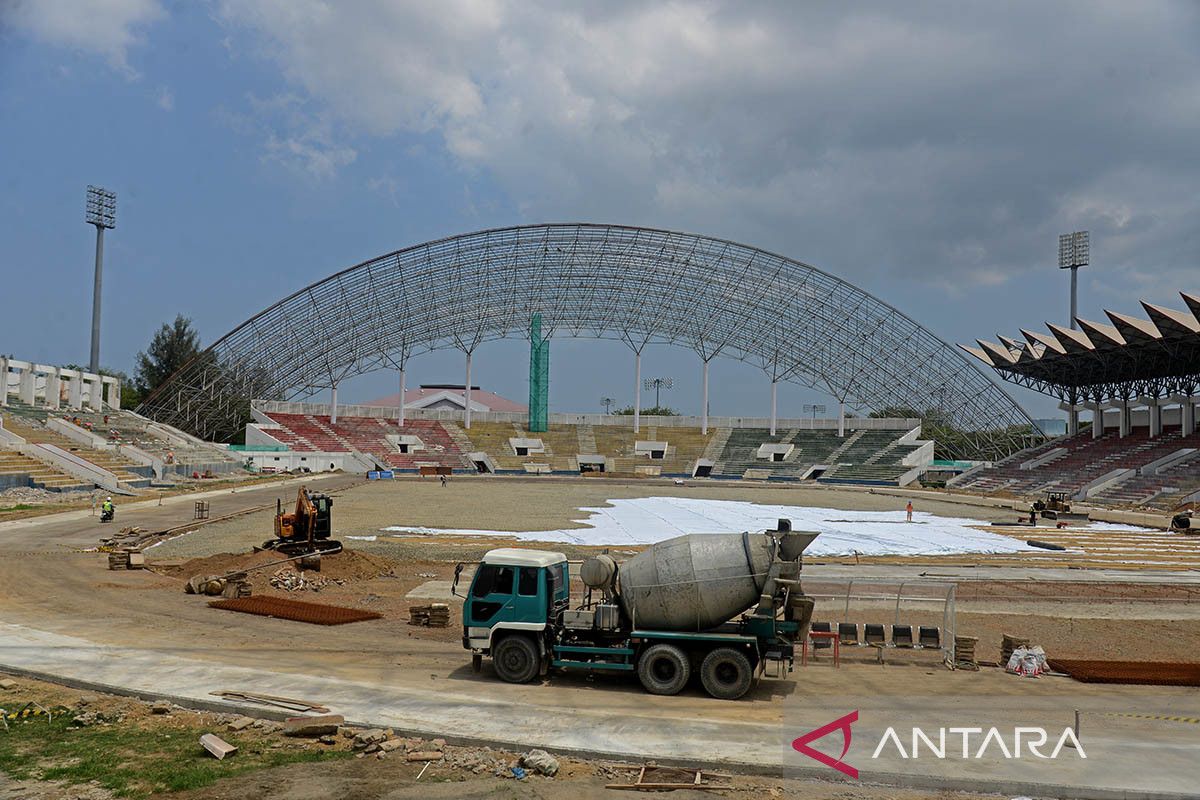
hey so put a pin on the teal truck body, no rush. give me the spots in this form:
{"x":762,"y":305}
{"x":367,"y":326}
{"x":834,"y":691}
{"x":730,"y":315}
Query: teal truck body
{"x":726,"y":608}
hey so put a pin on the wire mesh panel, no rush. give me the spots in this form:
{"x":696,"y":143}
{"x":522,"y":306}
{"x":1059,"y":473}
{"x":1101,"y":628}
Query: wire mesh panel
{"x":636,"y":285}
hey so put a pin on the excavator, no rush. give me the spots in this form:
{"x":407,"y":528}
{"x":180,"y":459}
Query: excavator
{"x":306,"y":529}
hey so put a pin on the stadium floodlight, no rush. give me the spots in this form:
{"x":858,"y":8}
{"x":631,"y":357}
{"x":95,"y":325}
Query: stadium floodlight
{"x":814,"y":409}
{"x":101,"y":207}
{"x":1074,"y":251}
{"x":607,"y":402}
{"x":657,"y":384}
{"x":101,"y":212}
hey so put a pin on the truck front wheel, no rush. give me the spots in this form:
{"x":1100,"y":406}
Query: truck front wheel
{"x":726,"y":674}
{"x":516,"y":659}
{"x":664,"y":669}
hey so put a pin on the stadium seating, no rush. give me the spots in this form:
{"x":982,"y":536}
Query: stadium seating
{"x":444,"y":443}
{"x":19,"y":470}
{"x":24,"y":423}
{"x":864,"y":456}
{"x":1083,"y":460}
{"x":684,"y":447}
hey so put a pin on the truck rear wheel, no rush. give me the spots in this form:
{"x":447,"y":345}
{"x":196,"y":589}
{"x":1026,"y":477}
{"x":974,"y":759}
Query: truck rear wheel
{"x":516,"y":659}
{"x":726,"y":674}
{"x":664,"y":669}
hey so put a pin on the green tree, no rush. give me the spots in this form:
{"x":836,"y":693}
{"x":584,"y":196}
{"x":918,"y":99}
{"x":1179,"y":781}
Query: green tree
{"x":653,"y":411}
{"x":173,"y":346}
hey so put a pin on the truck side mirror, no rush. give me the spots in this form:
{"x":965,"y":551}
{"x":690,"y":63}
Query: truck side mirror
{"x":454,"y":586}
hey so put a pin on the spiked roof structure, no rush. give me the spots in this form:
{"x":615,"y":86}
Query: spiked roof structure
{"x":636,"y":285}
{"x":1131,"y":357}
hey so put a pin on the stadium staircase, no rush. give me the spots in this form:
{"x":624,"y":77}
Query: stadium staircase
{"x":587,"y":440}
{"x":884,"y":462}
{"x":492,"y":438}
{"x":125,"y":428}
{"x":20,"y":470}
{"x":29,"y":423}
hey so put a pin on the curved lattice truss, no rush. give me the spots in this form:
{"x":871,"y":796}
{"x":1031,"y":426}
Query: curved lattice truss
{"x":636,"y":285}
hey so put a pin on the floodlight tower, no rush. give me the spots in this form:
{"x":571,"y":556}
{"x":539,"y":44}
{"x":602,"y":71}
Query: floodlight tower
{"x":101,"y":212}
{"x":657,"y":384}
{"x":1073,"y":253}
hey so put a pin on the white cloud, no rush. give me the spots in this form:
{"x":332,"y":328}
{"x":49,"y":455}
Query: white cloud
{"x":101,"y":27}
{"x":909,"y":140}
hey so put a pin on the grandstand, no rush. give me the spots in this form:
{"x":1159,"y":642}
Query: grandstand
{"x":882,"y":452}
{"x":1139,"y":378}
{"x":63,"y":430}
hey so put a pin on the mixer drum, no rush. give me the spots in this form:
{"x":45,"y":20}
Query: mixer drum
{"x":694,"y":582}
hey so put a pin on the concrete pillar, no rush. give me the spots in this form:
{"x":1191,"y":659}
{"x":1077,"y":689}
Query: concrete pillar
{"x":1155,"y":417}
{"x":1073,"y":422}
{"x":704,"y":401}
{"x":75,"y":392}
{"x":333,"y":405}
{"x":842,"y":419}
{"x":1097,"y":420}
{"x":467,"y":394}
{"x":114,"y":395}
{"x":1187,"y":413}
{"x":53,"y":389}
{"x":637,"y":390}
{"x":403,"y":390}
{"x":94,"y":401}
{"x":774,"y":387}
{"x":3,"y":381}
{"x":1125,"y":425}
{"x":28,"y":385}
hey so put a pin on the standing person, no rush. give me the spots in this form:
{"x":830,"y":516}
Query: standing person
{"x":1033,"y":515}
{"x":443,"y":477}
{"x":908,"y":510}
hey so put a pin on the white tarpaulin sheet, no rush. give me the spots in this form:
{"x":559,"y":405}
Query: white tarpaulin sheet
{"x":647,"y":520}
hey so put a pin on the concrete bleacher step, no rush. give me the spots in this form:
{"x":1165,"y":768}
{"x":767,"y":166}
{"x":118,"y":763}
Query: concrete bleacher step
{"x":15,"y":465}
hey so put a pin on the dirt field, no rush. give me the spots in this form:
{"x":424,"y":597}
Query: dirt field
{"x":48,"y":583}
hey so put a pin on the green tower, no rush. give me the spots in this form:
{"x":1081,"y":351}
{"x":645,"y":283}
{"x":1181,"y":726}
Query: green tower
{"x":539,"y":376}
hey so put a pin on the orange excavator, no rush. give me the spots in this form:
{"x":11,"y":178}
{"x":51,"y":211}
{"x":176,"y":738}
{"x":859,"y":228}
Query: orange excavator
{"x":307,"y":529}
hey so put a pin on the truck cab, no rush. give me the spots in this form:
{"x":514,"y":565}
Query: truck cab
{"x":514,"y":596}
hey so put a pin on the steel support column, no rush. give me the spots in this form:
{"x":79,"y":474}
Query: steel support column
{"x":402,"y":393}
{"x":704,"y":401}
{"x":774,"y":386}
{"x":637,"y":390}
{"x":841,"y":420}
{"x":333,"y":405}
{"x":467,"y":395}
{"x":1097,"y":420}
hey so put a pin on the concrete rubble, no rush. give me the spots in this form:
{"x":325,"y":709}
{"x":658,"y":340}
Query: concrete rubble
{"x":313,"y":727}
{"x":291,"y":580}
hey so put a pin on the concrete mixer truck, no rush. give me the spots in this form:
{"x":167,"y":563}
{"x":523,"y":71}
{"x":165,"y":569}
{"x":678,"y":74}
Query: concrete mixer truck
{"x":725,"y":607}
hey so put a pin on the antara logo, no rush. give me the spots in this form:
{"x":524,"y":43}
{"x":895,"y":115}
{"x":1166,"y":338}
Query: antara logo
{"x":800,"y":745}
{"x":1031,"y":739}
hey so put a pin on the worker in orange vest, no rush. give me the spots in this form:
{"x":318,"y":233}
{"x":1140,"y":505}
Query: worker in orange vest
{"x":908,"y":510}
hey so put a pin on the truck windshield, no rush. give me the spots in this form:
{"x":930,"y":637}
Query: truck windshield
{"x":492,"y":579}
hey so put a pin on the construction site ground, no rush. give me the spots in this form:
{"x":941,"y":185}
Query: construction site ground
{"x":64,"y":616}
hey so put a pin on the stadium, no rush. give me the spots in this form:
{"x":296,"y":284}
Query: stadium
{"x":1071,"y":542}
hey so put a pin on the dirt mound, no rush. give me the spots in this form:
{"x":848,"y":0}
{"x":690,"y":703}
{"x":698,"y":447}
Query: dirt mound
{"x":347,"y":566}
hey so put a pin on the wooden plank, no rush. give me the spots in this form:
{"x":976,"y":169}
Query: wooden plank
{"x":217,"y":746}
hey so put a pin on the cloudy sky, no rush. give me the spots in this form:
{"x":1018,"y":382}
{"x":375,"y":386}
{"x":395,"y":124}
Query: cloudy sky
{"x":930,"y":153}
